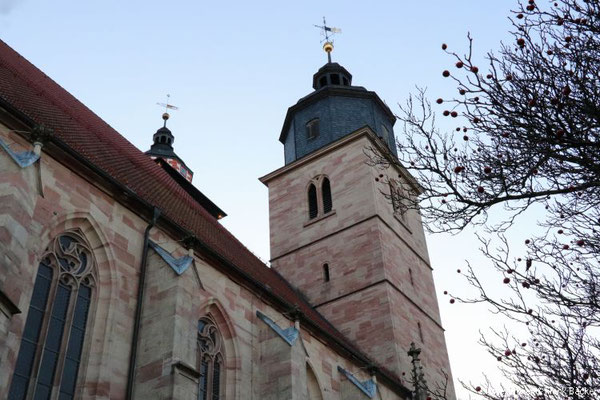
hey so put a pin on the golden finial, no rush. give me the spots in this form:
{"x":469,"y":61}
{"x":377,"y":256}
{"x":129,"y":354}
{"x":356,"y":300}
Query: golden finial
{"x":167,"y":106}
{"x":328,"y":32}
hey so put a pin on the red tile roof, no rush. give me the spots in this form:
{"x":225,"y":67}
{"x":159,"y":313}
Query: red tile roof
{"x":41,"y":99}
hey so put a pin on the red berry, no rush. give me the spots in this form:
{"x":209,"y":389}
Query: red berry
{"x":462,"y":91}
{"x":478,"y":389}
{"x":480,"y":189}
{"x":506,"y":280}
{"x":451,"y":301}
{"x":521,"y":42}
{"x":509,"y":77}
{"x":458,"y":169}
{"x":560,"y":133}
{"x":458,"y":270}
{"x":507,"y":353}
{"x":560,"y":231}
{"x":439,"y":101}
{"x":454,"y":114}
{"x":566,"y":247}
{"x":445,"y":292}
{"x":499,"y":358}
{"x":446,"y":73}
{"x":487,"y":170}
{"x":446,"y":113}
{"x":520,"y":16}
{"x":459,"y":64}
{"x":566,"y":91}
{"x":580,"y":242}
{"x":527,"y":241}
{"x":526,"y":285}
{"x":444,"y":46}
{"x":476,"y":120}
{"x":465,"y":138}
{"x":474,"y":70}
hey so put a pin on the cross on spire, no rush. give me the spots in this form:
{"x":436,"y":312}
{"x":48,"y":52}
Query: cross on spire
{"x":328,"y":32}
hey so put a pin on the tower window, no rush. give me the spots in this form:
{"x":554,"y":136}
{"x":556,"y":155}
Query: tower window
{"x":312,"y":128}
{"x":385,"y":133}
{"x":327,"y":202}
{"x":323,"y":81}
{"x":420,"y":332}
{"x":312,"y":201}
{"x":49,"y":358}
{"x":345,"y":81}
{"x":326,"y":272}
{"x":335,"y":79}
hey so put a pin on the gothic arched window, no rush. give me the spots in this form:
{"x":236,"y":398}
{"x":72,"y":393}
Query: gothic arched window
{"x":313,"y":209}
{"x":52,"y":342}
{"x":210,"y":361}
{"x":326,"y":191}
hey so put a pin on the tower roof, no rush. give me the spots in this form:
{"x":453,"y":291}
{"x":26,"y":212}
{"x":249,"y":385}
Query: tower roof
{"x":333,"y":110}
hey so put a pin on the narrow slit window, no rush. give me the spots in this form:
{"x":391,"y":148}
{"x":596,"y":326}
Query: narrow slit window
{"x":335,"y":79}
{"x":327,"y":201}
{"x":326,"y":272}
{"x":420,"y":332}
{"x":410,"y":274}
{"x":312,"y":202}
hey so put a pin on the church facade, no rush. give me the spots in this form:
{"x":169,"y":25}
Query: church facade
{"x":117,"y":280}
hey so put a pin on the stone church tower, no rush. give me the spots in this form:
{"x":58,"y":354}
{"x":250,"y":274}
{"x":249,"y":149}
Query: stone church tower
{"x":339,"y":236}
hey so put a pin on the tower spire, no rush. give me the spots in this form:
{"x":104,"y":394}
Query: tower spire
{"x":328,"y":32}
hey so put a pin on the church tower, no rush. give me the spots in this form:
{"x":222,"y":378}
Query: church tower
{"x":162,"y":148}
{"x":338,"y":235}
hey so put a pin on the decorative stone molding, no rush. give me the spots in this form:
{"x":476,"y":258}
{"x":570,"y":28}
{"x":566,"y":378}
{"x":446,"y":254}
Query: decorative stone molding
{"x":179,"y":265}
{"x":290,"y":335}
{"x":368,"y":387}
{"x":23,"y":158}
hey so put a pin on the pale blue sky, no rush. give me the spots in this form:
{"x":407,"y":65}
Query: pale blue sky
{"x":234,"y":68}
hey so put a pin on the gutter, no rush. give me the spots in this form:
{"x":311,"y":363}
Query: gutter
{"x":138,"y":308}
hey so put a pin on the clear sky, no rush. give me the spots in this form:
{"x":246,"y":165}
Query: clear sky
{"x":234,"y":68}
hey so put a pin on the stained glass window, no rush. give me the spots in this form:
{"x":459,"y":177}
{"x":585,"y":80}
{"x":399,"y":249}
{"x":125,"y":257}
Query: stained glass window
{"x":210,"y":361}
{"x":49,"y":358}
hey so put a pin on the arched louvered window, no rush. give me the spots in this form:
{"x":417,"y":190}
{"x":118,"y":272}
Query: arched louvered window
{"x":312,"y":128}
{"x":210,"y":361}
{"x":313,"y":209}
{"x":52,"y":342}
{"x":326,"y":190}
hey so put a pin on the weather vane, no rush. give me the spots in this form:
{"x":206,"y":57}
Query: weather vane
{"x":167,"y":107}
{"x":328,"y":32}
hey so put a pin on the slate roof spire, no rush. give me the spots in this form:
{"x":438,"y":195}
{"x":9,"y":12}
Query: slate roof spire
{"x":162,"y":147}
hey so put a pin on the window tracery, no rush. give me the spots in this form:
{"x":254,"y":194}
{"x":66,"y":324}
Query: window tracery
{"x":210,"y":360}
{"x":52,"y":343}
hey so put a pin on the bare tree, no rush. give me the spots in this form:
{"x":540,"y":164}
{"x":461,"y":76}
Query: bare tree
{"x":527,"y":136}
